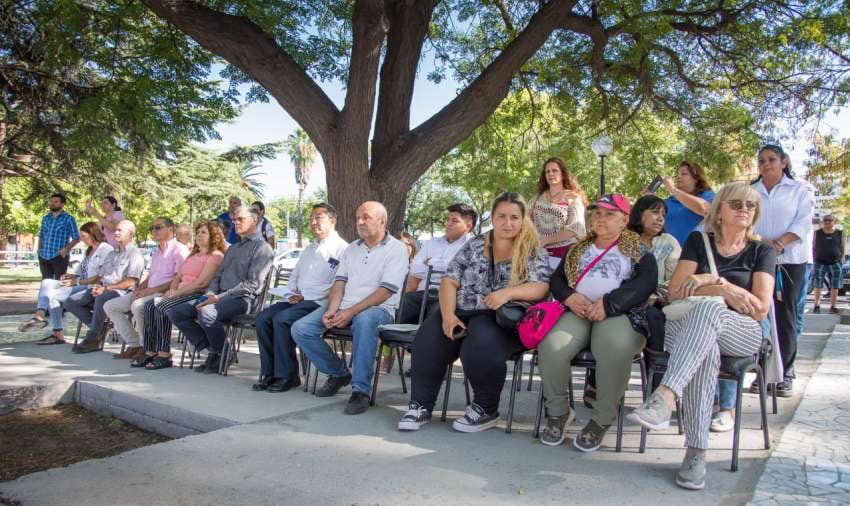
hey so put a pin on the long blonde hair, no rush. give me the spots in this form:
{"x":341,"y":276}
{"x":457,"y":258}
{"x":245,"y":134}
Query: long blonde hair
{"x":525,"y":244}
{"x":732,"y":191}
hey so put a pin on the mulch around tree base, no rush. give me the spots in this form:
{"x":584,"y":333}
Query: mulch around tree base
{"x":40,"y":439}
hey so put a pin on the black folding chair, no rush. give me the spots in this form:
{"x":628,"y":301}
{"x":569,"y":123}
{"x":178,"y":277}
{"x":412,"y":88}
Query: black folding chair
{"x":236,"y":327}
{"x":586,"y":360}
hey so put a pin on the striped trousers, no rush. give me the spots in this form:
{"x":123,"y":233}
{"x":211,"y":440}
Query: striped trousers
{"x":157,"y":331}
{"x":695,"y":344}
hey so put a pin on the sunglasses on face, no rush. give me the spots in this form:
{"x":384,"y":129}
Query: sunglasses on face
{"x":737,"y":205}
{"x":154,"y":228}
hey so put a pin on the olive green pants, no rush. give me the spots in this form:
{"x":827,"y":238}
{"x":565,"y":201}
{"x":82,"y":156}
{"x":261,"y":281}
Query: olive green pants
{"x":614,"y":344}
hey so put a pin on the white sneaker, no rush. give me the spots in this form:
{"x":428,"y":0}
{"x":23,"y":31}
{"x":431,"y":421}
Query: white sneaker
{"x":723,"y":421}
{"x":415,"y":417}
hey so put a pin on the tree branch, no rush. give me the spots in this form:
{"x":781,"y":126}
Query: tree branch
{"x":459,"y":118}
{"x":245,"y":45}
{"x":408,"y":28}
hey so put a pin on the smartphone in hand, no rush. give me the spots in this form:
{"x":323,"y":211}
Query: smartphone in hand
{"x":654,"y":185}
{"x":201,"y":299}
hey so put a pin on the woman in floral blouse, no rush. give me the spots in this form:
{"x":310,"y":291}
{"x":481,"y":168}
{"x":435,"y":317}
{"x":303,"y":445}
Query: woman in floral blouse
{"x":503,"y":265}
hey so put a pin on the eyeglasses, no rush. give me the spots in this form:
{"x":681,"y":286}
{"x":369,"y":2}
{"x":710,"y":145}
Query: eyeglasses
{"x":737,"y":205}
{"x":318,"y":217}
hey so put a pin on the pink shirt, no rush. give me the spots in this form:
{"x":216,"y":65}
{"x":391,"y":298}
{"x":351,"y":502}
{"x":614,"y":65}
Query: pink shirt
{"x":110,"y":234}
{"x":165,"y":262}
{"x":195,"y":264}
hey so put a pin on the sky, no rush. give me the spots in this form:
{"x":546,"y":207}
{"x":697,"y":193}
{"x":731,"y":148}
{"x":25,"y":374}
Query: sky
{"x":268,"y":122}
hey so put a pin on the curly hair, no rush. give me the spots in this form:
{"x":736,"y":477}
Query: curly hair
{"x":570,"y":181}
{"x":217,"y":242}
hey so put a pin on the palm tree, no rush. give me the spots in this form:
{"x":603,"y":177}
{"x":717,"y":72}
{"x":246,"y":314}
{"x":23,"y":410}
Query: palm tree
{"x":302,"y":154}
{"x":249,"y":179}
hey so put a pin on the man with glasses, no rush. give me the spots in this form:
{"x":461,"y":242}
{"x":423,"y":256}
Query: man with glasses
{"x":232,"y":291}
{"x":306,"y":290}
{"x":364,"y":295}
{"x":57,"y":235}
{"x":828,"y":253}
{"x":166,"y":260}
{"x":123,"y":268}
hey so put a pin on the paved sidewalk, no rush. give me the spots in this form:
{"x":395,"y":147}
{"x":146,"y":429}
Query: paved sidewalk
{"x":811,"y":464}
{"x":294,"y":448}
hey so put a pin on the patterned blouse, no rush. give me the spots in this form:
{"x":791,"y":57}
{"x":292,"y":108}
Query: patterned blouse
{"x":552,"y":217}
{"x":471,"y":269}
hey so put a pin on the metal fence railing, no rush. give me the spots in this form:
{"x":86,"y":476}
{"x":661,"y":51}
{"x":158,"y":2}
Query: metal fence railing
{"x":22,"y":258}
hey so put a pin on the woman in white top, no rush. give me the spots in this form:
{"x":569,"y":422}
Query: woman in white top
{"x":53,"y":292}
{"x":787,"y":207}
{"x":557,"y":210}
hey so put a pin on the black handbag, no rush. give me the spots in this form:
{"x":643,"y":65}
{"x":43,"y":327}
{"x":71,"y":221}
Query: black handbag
{"x":511,"y":312}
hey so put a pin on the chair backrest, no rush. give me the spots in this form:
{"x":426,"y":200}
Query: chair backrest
{"x":431,"y":282}
{"x":260,"y":301}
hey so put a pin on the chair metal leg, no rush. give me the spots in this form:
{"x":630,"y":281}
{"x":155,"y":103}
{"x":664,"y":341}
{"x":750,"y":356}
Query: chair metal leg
{"x":763,"y":407}
{"x":466,"y":389}
{"x":736,"y":434}
{"x":447,"y":391}
{"x":531,"y":372}
{"x":570,"y":392}
{"x":80,"y":328}
{"x":775,"y":403}
{"x":619,"y":445}
{"x":182,"y":355}
{"x":377,"y":374}
{"x":306,"y":368}
{"x":195,"y":353}
{"x":315,"y":379}
{"x":399,"y":353}
{"x":225,"y":349}
{"x":516,"y":384}
{"x":647,"y":386}
{"x":538,"y":415}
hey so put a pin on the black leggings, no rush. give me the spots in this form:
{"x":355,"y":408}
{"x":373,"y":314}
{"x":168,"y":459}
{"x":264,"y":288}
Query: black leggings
{"x":483,"y":352}
{"x":786,"y":313}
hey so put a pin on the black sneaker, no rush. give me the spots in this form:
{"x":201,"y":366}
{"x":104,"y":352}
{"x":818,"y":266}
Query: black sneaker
{"x":833,"y":310}
{"x":332,"y":385}
{"x":816,"y":310}
{"x":590,"y":437}
{"x":357,"y":403}
{"x":284,"y":385}
{"x":786,"y":388}
{"x":475,"y":419}
{"x":415,"y":417}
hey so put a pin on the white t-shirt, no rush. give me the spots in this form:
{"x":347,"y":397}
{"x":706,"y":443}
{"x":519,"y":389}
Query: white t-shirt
{"x":607,"y":275}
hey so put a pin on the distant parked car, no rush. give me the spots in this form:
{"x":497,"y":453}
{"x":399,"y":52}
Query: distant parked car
{"x":287,"y":259}
{"x":77,"y":255}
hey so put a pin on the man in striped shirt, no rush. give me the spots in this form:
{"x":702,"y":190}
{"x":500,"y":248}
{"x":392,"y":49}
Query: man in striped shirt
{"x":56,"y":237}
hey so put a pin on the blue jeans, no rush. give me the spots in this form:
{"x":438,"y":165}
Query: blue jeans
{"x":801,"y":302}
{"x":307,"y":333}
{"x":50,"y":296}
{"x":274,"y":337}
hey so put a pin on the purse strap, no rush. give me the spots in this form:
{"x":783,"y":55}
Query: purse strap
{"x":595,"y":261}
{"x":711,"y":266}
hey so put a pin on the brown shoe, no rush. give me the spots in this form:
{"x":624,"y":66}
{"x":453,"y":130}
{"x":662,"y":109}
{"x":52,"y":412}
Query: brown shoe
{"x":88,"y":346}
{"x":130,"y":353}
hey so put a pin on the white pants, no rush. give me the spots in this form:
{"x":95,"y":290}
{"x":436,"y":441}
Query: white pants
{"x":118,"y":310}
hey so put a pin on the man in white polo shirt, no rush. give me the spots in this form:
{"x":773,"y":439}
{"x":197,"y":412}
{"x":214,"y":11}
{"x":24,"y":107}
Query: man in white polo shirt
{"x":365,"y":294}
{"x":436,"y":253}
{"x":307,"y":289}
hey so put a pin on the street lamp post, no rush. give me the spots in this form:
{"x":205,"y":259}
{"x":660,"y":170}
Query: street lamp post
{"x":602,"y":147}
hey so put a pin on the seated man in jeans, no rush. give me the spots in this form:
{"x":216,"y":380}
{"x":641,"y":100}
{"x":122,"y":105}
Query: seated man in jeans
{"x":235,"y":287}
{"x":308,"y":286}
{"x":122,"y":269}
{"x":365,"y":294}
{"x":165,"y":262}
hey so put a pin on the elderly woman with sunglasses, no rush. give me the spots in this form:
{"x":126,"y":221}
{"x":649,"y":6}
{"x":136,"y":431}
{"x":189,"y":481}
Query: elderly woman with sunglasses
{"x":711,"y":328}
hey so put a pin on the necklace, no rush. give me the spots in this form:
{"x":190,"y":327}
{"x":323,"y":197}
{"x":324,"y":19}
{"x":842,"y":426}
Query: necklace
{"x":554,"y":197}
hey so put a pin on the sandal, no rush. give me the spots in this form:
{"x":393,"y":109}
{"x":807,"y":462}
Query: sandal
{"x":143,"y":361}
{"x":159,"y":363}
{"x":51,"y":339}
{"x":32,"y":324}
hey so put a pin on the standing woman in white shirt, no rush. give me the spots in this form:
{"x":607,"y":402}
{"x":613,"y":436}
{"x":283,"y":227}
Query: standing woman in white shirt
{"x":787,"y":207}
{"x":557,"y":210}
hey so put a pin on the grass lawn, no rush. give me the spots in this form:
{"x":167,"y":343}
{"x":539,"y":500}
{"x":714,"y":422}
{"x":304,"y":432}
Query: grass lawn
{"x":19,"y":275}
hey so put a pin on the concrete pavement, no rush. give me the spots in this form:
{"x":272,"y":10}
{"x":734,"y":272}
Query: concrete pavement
{"x":293,"y":448}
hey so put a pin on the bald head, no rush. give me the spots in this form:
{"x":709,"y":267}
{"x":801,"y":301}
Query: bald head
{"x":371,"y":222}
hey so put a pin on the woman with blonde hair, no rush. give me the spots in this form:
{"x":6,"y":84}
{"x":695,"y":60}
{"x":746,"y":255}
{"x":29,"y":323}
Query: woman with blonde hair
{"x":557,"y":210}
{"x":506,"y":264}
{"x":191,"y":280}
{"x":743,"y":276}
